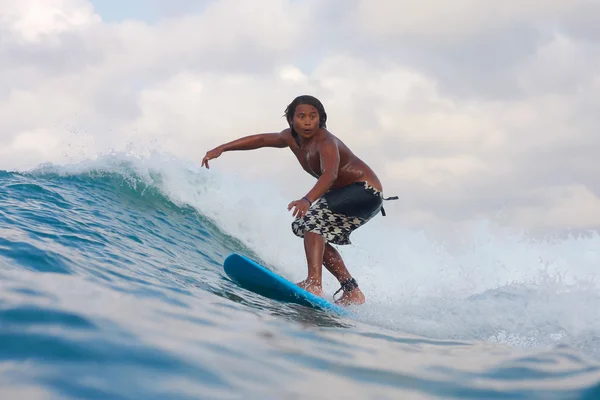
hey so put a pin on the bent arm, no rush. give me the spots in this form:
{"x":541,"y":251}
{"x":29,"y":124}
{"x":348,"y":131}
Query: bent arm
{"x":330,"y":163}
{"x":255,"y":142}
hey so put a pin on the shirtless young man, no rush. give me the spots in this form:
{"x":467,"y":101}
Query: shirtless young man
{"x":346,"y":195}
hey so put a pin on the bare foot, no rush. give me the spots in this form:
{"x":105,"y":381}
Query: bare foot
{"x":353,"y":297}
{"x":311,"y":287}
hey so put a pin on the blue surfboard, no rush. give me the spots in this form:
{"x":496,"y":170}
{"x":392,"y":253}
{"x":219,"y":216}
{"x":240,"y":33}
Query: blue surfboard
{"x":254,"y":277}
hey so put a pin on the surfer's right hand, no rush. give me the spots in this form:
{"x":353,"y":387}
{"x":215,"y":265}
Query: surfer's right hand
{"x":214,"y":153}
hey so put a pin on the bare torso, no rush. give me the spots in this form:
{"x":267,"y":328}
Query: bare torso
{"x":351,"y":168}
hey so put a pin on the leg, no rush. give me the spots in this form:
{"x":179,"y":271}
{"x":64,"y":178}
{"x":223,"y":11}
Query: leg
{"x":314,"y":246}
{"x":334,"y":264}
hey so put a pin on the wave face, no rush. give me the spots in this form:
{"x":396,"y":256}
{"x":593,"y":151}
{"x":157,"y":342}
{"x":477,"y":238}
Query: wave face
{"x":111,"y":286}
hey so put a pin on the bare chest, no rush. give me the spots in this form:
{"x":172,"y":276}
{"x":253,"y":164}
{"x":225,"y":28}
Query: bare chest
{"x":309,"y":159}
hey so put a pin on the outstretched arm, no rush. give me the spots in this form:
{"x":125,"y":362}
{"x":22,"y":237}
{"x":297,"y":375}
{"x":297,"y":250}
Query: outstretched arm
{"x":255,"y":142}
{"x":251,"y":142}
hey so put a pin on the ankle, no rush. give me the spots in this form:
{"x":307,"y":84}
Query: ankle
{"x":313,"y":282}
{"x":347,"y":285}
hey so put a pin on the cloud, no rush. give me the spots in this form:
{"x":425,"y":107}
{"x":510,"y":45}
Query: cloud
{"x":447,"y":21}
{"x":463,"y":114}
{"x":33,"y":21}
{"x":472,"y":48}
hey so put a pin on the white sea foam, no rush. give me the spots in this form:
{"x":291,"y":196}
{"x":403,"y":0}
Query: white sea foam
{"x":498,"y":287}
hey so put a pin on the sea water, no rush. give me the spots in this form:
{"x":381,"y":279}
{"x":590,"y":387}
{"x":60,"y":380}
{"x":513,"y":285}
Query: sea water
{"x":112,"y":286}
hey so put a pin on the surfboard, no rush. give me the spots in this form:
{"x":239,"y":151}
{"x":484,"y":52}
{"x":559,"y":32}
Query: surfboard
{"x":252,"y":276}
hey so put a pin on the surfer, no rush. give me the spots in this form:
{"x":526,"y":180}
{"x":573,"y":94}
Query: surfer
{"x":347,"y":193}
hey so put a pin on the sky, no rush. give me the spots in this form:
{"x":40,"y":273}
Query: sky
{"x":467,"y":110}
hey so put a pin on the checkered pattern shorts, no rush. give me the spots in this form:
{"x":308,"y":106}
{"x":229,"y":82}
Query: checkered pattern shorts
{"x":335,"y":227}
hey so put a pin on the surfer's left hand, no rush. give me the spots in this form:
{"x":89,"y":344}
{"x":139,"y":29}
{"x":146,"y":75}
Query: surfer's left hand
{"x":301,"y":207}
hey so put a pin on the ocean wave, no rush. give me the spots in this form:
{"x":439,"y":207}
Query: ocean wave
{"x":111,"y":274}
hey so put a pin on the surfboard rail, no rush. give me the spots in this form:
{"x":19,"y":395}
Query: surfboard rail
{"x":253,"y":276}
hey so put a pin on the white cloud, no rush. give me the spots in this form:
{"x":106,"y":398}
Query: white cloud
{"x":560,"y":66}
{"x":571,"y":206}
{"x":457,"y":131}
{"x":35,"y":21}
{"x":435,"y":171}
{"x":446,"y":20}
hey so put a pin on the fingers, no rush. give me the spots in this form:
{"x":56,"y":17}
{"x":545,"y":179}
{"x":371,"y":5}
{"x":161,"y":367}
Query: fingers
{"x":214,"y":153}
{"x":300,"y":208}
{"x":298,"y":212}
{"x":293,"y":204}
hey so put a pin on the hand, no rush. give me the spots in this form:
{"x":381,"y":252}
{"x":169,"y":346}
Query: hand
{"x":214,"y":153}
{"x":301,"y":207}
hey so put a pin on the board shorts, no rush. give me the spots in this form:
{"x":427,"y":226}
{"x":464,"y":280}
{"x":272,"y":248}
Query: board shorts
{"x":339,"y":212}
